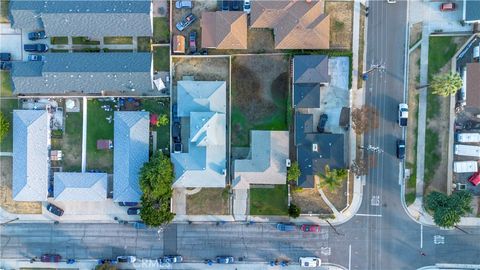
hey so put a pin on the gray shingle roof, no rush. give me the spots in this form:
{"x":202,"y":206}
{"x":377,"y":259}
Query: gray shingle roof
{"x":201,"y":96}
{"x":310,"y":72}
{"x":131,"y":150}
{"x":89,"y":18}
{"x":472,"y":10}
{"x":30,"y":155}
{"x":88,"y":73}
{"x":80,"y":186}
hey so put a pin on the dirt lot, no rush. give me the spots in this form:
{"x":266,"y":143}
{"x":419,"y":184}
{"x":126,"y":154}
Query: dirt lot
{"x":415,"y":33}
{"x":6,"y":200}
{"x":310,"y":202}
{"x":202,"y":68}
{"x":341,"y":23}
{"x":198,"y":8}
{"x":258,"y":102}
{"x":208,"y":201}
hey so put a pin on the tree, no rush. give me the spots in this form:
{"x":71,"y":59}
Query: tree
{"x":293,"y":172}
{"x":364,"y":119}
{"x":4,"y":126}
{"x":156,"y":178}
{"x":162,"y":120}
{"x":448,"y":210}
{"x":446,"y":84}
{"x":332,"y":179}
{"x":294,"y":211}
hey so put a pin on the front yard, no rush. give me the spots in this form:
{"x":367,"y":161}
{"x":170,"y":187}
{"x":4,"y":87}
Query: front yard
{"x":269,"y":200}
{"x":6,"y":107}
{"x":99,"y":128}
{"x":208,"y":201}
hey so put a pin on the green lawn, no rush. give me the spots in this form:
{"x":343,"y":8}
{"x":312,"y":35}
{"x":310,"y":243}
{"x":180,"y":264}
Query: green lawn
{"x":144,"y":44}
{"x":432,"y":158}
{"x":118,"y":40}
{"x":159,"y":106}
{"x":161,"y":32}
{"x":6,"y":90}
{"x":72,"y":141}
{"x":161,"y":58}
{"x":98,"y":128}
{"x":59,"y":40}
{"x":6,"y":107}
{"x":269,"y":201}
{"x":410,"y":198}
{"x":84,"y":41}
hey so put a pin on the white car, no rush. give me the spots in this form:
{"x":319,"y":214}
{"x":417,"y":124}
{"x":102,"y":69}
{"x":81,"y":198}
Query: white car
{"x":402,"y":114}
{"x":391,"y":1}
{"x":246,"y":6}
{"x":310,"y":262}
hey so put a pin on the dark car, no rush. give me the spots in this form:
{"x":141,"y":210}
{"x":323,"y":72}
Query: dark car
{"x":35,"y":47}
{"x":5,"y":56}
{"x":128,"y":203}
{"x":176,"y":129}
{"x":37,"y":35}
{"x":171,"y":259}
{"x":310,"y":228}
{"x":225,"y":5}
{"x":54,"y":209}
{"x":192,"y":41}
{"x":322,"y":122}
{"x":5,"y":65}
{"x":189,"y":19}
{"x":286,"y":227}
{"x":225,"y":259}
{"x":235,"y":5}
{"x":50,"y":258}
{"x":401,"y":149}
{"x":133,"y":211}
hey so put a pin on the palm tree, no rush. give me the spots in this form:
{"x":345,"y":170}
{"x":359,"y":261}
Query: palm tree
{"x":447,"y":84}
{"x":332,"y":179}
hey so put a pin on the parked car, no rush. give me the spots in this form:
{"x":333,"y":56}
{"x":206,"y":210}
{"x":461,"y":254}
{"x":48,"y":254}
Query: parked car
{"x":36,"y":57}
{"x":177,"y":147}
{"x":128,"y":203}
{"x":246,"y":6}
{"x":310,"y":262}
{"x":55,"y":209}
{"x":192,"y":41}
{"x":391,"y":1}
{"x":5,"y":56}
{"x":402,"y":114}
{"x":189,"y":19}
{"x":126,"y":259}
{"x":235,"y":5}
{"x":401,"y":149}
{"x":225,"y":5}
{"x":171,"y":259}
{"x":35,"y":47}
{"x":37,"y":35}
{"x":50,"y":258}
{"x":133,"y":211}
{"x":184,"y":4}
{"x":285,"y":227}
{"x":321,"y":123}
{"x":225,"y":259}
{"x":176,"y":131}
{"x":5,"y":65}
{"x":448,"y":6}
{"x":310,"y":228}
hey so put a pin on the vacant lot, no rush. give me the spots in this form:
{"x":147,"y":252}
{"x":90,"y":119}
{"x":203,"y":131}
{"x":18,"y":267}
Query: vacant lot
{"x":269,"y":200}
{"x":310,"y":201}
{"x":260,"y":93}
{"x":202,"y":68}
{"x":98,"y":128}
{"x":208,"y":201}
{"x":6,"y":107}
{"x":6,"y":199}
{"x":72,"y":141}
{"x":161,"y":58}
{"x":6,"y":84}
{"x":341,"y":23}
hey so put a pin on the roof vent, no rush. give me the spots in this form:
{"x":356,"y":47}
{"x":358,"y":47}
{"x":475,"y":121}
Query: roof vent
{"x":315,"y":147}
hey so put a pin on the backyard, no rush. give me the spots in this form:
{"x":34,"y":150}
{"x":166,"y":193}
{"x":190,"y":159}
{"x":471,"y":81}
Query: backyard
{"x":203,"y":69}
{"x":208,"y":201}
{"x":72,"y":141}
{"x":159,"y":106}
{"x":269,"y":200}
{"x":6,"y":107}
{"x":99,"y":128}
{"x":161,"y":58}
{"x":161,"y":32}
{"x":259,"y":102}
{"x":6,"y":85}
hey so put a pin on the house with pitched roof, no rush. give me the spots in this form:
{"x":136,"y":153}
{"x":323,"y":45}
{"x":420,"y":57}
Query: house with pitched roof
{"x":310,"y":74}
{"x":204,"y":162}
{"x":130,"y":152}
{"x":73,"y":186}
{"x":92,"y":18}
{"x":84,"y":73}
{"x":295,"y":24}
{"x":224,"y":30}
{"x":31,"y":140}
{"x":471,"y":85}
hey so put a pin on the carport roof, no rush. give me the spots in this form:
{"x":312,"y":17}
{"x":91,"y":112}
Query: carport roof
{"x":473,"y":85}
{"x":80,"y":186}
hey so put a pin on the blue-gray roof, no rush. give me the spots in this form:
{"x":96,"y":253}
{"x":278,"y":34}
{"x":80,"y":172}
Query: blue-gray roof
{"x":309,"y":73}
{"x":131,"y":150}
{"x":80,"y":186}
{"x":87,"y":73}
{"x":30,"y":155}
{"x":91,"y":18}
{"x":472,"y":10}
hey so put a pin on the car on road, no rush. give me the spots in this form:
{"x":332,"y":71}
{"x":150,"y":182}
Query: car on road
{"x":126,"y":259}
{"x":309,"y":262}
{"x":225,"y":259}
{"x":310,"y":228}
{"x":171,"y":259}
{"x":50,"y":258}
{"x":247,"y":7}
{"x":189,"y":19}
{"x":35,"y":47}
{"x":128,"y":203}
{"x":5,"y":56}
{"x":36,"y":57}
{"x":37,"y":35}
{"x":183,"y":4}
{"x":192,"y":41}
{"x":286,"y":227}
{"x":400,"y":149}
{"x":54,"y":209}
{"x":448,"y":6}
{"x":133,"y":211}
{"x":322,"y":122}
{"x":402,"y":114}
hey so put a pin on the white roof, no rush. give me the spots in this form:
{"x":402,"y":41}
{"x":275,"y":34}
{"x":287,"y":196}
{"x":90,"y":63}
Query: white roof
{"x":201,"y":96}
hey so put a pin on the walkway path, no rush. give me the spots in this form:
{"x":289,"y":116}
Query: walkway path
{"x":332,"y":207}
{"x":84,"y":136}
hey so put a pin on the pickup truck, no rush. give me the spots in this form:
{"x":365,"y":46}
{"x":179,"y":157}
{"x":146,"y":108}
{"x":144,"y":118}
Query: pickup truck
{"x":402,"y":114}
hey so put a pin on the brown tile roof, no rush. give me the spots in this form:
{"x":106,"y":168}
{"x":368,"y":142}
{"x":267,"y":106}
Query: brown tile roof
{"x":473,"y":85}
{"x":178,"y":44}
{"x":224,"y":30}
{"x":296,"y":24}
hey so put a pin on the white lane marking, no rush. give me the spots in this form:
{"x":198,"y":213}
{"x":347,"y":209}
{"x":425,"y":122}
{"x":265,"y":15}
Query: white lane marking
{"x":438,"y":240}
{"x":375,"y":201}
{"x":421,"y":236}
{"x":349,"y":257}
{"x":400,"y":174}
{"x":368,"y":215}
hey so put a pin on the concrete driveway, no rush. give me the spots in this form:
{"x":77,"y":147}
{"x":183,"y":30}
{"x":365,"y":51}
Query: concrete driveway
{"x":430,"y":14}
{"x":11,"y":41}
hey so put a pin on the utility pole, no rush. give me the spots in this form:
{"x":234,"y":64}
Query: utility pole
{"x":10,"y":221}
{"x":334,"y":229}
{"x":380,"y":67}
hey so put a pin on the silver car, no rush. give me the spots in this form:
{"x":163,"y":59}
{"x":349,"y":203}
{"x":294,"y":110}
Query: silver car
{"x":184,"y":4}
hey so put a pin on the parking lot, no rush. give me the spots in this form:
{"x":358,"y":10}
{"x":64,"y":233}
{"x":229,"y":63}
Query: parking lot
{"x":12,"y":41}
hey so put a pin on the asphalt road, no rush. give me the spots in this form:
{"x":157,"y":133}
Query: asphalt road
{"x":380,"y":237}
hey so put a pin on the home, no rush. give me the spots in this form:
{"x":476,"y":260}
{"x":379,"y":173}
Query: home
{"x":224,"y":30}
